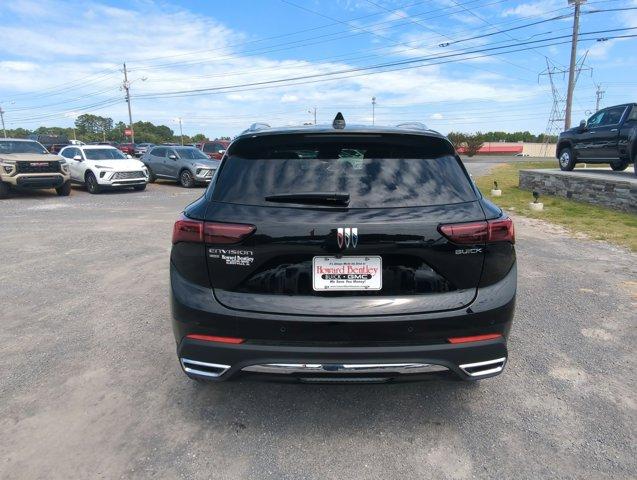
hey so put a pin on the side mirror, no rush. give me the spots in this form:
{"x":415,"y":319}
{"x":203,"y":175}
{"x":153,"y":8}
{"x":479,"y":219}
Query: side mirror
{"x":172,"y":157}
{"x":221,"y":152}
{"x":128,"y":155}
{"x":582,"y":125}
{"x":77,"y":158}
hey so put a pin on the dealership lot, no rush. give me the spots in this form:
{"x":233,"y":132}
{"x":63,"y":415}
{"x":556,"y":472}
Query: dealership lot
{"x":91,"y":386}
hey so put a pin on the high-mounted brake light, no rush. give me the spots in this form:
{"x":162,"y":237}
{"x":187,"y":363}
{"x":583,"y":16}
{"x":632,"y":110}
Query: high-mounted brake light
{"x":474,"y":338}
{"x":215,"y":338}
{"x":197,"y":231}
{"x":497,"y":230}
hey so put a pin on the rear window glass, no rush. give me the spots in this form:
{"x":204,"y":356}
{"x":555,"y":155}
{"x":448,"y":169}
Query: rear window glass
{"x":374,"y":170}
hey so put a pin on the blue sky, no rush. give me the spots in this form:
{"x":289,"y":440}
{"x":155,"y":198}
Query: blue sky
{"x":201,"y":61}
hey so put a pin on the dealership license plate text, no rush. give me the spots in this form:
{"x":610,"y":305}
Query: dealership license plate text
{"x":347,"y":273}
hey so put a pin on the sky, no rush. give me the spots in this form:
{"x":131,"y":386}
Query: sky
{"x":455,"y":65}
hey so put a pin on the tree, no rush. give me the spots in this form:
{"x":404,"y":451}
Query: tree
{"x":93,"y":127}
{"x":457,"y":139}
{"x":199,"y":137}
{"x":474,"y":144}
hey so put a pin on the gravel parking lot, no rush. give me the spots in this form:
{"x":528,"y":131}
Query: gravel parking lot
{"x":91,"y":386}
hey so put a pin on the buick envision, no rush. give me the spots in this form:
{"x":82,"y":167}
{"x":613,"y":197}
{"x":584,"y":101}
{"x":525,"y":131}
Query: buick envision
{"x":342,"y":254}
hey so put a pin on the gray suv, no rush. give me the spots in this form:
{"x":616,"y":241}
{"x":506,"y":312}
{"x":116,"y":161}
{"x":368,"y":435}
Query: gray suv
{"x":187,"y":165}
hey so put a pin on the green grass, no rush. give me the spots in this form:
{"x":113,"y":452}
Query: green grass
{"x":596,"y":222}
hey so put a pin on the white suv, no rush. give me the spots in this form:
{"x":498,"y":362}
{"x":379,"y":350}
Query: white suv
{"x":103,"y":167}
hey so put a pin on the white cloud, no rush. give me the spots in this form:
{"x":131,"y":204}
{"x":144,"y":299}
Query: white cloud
{"x":437,"y":116}
{"x":287,"y":98}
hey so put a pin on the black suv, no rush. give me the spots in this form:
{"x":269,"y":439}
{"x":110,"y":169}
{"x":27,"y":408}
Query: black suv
{"x":342,"y":254}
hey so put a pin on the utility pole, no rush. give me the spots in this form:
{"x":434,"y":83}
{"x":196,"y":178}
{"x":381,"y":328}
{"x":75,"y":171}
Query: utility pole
{"x":181,"y":132}
{"x":126,"y":85}
{"x":599,"y":94}
{"x":373,"y":110}
{"x":571,"y":70}
{"x":2,"y":117}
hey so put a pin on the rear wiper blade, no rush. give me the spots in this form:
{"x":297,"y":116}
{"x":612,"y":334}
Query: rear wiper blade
{"x":319,"y":198}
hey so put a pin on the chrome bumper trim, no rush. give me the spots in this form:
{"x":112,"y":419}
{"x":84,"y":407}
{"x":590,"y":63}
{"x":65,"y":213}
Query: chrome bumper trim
{"x":305,"y":368}
{"x":204,"y":369}
{"x":487,"y":367}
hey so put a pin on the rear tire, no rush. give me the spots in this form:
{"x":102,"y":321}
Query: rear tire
{"x":619,"y":166}
{"x":140,"y":188}
{"x":4,"y":190}
{"x":64,"y":190}
{"x":566,"y":159}
{"x":186,"y":179}
{"x":91,"y":184}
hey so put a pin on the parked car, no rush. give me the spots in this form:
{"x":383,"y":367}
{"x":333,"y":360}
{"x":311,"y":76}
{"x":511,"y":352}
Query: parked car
{"x":101,"y":167}
{"x":186,"y":165}
{"x":127,"y":148}
{"x":27,"y":164}
{"x":142,"y":148}
{"x":53,"y":143}
{"x":342,"y":254}
{"x":214,"y":149}
{"x":609,"y":136}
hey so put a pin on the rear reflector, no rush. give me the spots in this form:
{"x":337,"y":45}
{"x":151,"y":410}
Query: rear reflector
{"x":475,"y":338}
{"x":497,"y":230}
{"x":197,"y":231}
{"x":213,"y":338}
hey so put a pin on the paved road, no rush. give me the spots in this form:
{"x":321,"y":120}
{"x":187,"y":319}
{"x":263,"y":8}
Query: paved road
{"x":91,"y":388}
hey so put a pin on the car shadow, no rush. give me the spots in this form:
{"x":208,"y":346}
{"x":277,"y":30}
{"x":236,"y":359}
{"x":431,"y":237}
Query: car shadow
{"x":302,"y":408}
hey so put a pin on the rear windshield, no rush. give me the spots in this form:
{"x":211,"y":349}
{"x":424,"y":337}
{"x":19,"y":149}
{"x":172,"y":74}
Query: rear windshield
{"x":374,"y":170}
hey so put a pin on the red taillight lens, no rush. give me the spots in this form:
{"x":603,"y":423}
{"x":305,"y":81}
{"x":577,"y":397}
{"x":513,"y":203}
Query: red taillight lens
{"x":466,"y":233}
{"x":501,"y":230}
{"x":215,"y":338}
{"x":474,"y":338}
{"x":196,"y":231}
{"x":187,"y":230}
{"x":498,"y":230}
{"x":226,"y":232}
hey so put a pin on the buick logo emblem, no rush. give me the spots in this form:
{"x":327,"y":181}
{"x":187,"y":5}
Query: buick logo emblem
{"x":346,"y":237}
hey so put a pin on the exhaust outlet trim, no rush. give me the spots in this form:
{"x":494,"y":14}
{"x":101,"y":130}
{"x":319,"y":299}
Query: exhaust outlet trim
{"x":488,"y":367}
{"x":204,"y":369}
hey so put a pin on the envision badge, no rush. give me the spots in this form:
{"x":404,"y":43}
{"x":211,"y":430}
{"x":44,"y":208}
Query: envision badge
{"x":347,"y":236}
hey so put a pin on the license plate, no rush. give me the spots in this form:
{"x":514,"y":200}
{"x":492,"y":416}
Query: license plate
{"x":347,"y":273}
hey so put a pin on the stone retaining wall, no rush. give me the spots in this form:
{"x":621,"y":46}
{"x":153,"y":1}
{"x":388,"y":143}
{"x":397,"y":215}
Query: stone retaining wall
{"x":617,"y":192}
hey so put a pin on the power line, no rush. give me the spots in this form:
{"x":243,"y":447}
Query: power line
{"x":377,"y":66}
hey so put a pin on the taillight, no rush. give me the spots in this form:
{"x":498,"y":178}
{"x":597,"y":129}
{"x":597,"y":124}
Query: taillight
{"x":497,"y":230}
{"x":501,"y":230}
{"x":187,"y":230}
{"x":197,"y":231}
{"x":466,"y":233}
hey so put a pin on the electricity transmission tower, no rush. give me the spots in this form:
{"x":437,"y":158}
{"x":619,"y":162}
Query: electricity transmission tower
{"x":558,"y":110}
{"x":599,"y":95}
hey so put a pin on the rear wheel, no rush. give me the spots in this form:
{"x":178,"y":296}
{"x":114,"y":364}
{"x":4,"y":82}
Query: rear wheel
{"x":64,"y":190}
{"x":91,"y":183}
{"x":140,"y":188}
{"x":186,"y":179}
{"x":4,"y":190}
{"x":619,"y":166}
{"x":566,"y":160}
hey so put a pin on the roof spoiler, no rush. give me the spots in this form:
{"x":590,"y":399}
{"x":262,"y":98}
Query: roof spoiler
{"x":413,"y":126}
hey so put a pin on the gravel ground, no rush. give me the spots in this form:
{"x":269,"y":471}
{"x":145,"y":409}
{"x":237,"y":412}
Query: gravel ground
{"x":91,"y":387}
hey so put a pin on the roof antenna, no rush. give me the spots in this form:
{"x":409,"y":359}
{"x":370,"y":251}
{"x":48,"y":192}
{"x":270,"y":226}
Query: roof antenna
{"x":339,"y":121}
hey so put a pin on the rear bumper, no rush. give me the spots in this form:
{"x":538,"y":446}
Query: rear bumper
{"x":218,"y":362}
{"x":318,"y":348}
